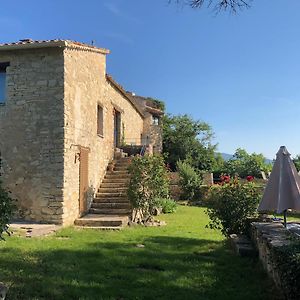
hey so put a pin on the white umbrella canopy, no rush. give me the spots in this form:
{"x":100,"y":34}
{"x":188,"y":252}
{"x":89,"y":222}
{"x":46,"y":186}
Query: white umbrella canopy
{"x":283,"y":188}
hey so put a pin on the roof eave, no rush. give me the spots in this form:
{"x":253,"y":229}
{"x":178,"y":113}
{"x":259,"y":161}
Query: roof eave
{"x":33,"y":45}
{"x":123,"y":93}
{"x":53,"y":44}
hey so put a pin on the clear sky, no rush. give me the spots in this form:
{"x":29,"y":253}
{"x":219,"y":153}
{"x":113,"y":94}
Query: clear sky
{"x":240,"y":73}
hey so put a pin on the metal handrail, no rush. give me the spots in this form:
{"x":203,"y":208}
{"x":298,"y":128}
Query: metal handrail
{"x":143,"y":150}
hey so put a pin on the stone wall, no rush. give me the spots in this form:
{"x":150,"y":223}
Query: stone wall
{"x":152,"y":134}
{"x":272,"y":240}
{"x":50,"y":112}
{"x":86,"y":88}
{"x":31,"y":132}
{"x":175,"y":189}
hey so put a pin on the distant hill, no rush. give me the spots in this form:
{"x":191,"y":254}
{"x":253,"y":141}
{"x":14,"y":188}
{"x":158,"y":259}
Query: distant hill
{"x":227,"y":156}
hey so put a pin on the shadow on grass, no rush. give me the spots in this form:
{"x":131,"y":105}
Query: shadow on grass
{"x":166,"y":268}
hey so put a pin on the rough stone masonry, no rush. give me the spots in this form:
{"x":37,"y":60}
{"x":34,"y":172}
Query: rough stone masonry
{"x":53,"y":91}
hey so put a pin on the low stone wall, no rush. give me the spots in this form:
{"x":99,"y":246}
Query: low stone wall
{"x":175,"y":190}
{"x":279,"y":252}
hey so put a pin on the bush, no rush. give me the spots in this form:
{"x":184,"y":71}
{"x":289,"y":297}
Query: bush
{"x":230,"y":204}
{"x":287,"y":260}
{"x":167,"y":205}
{"x":190,"y":181}
{"x":6,"y":210}
{"x":149,"y":181}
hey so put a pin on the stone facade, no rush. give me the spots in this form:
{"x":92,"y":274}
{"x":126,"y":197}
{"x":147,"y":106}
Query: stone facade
{"x":32,"y":132}
{"x":86,"y":87}
{"x":152,"y":130}
{"x":53,"y":92}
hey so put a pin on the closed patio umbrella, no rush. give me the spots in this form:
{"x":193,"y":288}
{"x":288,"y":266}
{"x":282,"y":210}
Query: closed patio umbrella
{"x":283,"y":188}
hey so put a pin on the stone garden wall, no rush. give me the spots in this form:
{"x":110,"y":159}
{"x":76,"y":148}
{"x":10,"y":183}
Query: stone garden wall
{"x":279,"y":252}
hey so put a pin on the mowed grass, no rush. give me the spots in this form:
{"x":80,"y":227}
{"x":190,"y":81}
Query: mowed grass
{"x":182,"y":260}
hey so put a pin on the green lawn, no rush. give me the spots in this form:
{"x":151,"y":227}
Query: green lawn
{"x":182,"y":260}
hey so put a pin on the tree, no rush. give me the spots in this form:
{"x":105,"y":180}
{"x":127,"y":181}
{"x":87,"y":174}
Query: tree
{"x":148,"y":182}
{"x":188,"y":140}
{"x":296,"y":161}
{"x":6,"y":210}
{"x":218,"y":5}
{"x":244,"y":164}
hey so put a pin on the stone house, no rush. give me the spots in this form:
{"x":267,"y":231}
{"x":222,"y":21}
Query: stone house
{"x":61,"y":120}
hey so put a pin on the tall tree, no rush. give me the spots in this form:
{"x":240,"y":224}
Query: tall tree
{"x":189,"y":140}
{"x":218,"y":5}
{"x":244,"y":164}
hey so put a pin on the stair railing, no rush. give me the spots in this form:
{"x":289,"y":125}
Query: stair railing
{"x":143,"y":150}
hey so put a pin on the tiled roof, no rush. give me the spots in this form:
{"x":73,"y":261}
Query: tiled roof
{"x":121,"y":90}
{"x":141,"y":104}
{"x":28,"y":43}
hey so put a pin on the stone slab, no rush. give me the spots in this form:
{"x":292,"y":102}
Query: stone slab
{"x":30,"y":229}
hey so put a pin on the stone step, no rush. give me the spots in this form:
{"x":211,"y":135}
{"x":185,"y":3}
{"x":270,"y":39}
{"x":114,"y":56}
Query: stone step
{"x":117,"y":173}
{"x":242,"y":245}
{"x":116,"y":228}
{"x":108,"y":205}
{"x":113,"y":189}
{"x":117,"y":176}
{"x":121,"y":168}
{"x":124,"y":165}
{"x":110,"y":211}
{"x":125,"y":159}
{"x":114,"y":185}
{"x":113,"y":179}
{"x":124,"y":177}
{"x":111,"y":195}
{"x":102,"y":221}
{"x":111,"y":200}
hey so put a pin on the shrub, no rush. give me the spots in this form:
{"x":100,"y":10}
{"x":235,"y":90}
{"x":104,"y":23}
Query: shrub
{"x":6,"y":210}
{"x":149,"y":181}
{"x":167,"y":205}
{"x":230,"y":204}
{"x":190,"y":181}
{"x":287,"y":259}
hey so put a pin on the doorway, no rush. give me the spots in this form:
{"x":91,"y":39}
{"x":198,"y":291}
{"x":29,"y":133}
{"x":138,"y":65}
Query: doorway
{"x":117,"y":128}
{"x":83,"y":180}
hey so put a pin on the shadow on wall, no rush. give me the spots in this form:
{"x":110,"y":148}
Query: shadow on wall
{"x":68,"y":267}
{"x":90,"y":194}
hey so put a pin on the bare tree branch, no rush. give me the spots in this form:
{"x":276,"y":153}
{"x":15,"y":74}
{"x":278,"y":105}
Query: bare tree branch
{"x":218,"y":5}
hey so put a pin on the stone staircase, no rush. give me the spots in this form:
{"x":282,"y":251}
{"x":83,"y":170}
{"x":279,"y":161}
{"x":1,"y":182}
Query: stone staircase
{"x":110,"y":208}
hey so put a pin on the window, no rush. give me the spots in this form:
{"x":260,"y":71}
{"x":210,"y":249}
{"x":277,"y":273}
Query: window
{"x":155,"y":120}
{"x":100,"y":120}
{"x":3,"y":67}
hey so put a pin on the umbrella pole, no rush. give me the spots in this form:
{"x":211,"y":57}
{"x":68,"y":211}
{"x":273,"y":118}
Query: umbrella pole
{"x":284,"y":218}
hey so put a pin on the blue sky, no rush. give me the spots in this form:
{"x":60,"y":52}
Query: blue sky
{"x":240,"y":73}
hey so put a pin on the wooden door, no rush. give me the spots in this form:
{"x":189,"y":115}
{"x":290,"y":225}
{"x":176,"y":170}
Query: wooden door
{"x":83,"y":180}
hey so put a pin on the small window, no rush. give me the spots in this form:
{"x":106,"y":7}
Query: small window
{"x":3,"y":67}
{"x":100,"y":120}
{"x":155,"y":120}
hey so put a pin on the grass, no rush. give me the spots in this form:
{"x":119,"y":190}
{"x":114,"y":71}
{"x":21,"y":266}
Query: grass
{"x":182,"y":260}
